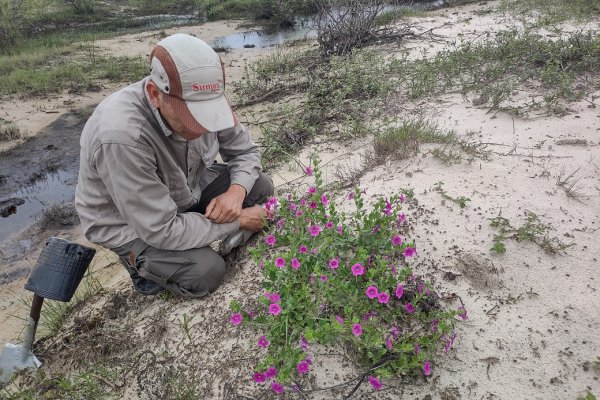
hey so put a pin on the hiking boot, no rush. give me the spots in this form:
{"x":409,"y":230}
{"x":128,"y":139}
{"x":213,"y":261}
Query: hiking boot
{"x":141,"y":285}
{"x":146,"y":287}
{"x":234,"y":240}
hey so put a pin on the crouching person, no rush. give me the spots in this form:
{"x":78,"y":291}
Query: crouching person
{"x":149,"y":188}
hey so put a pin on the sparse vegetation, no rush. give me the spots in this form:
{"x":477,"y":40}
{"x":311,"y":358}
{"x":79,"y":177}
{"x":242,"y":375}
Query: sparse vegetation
{"x":533,"y":230}
{"x":338,"y":90}
{"x":499,"y":65}
{"x":553,"y":11}
{"x":9,"y":131}
{"x":570,"y":183}
{"x":59,"y":214}
{"x":329,"y":89}
{"x":460,"y":200}
{"x":405,"y":140}
{"x":51,"y":70}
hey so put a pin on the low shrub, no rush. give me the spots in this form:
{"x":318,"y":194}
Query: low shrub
{"x":343,"y":277}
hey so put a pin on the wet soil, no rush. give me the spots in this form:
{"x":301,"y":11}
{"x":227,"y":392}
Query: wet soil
{"x":55,"y":148}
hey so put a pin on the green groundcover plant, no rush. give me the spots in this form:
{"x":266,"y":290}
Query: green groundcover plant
{"x":343,"y":277}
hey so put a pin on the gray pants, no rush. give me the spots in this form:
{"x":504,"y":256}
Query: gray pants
{"x":193,"y":272}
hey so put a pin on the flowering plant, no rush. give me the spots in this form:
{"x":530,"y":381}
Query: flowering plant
{"x":343,"y":277}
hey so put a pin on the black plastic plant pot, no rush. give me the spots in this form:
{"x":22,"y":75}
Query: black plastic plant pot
{"x":59,"y":269}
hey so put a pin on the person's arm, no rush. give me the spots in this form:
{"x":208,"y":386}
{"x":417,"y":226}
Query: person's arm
{"x":242,"y":156}
{"x":129,"y":173}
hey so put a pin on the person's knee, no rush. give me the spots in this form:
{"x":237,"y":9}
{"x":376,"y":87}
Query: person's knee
{"x":201,"y":276}
{"x":212,"y":273}
{"x":263,"y":188}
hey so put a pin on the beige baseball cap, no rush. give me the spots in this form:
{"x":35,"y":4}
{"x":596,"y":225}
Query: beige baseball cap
{"x":191,"y":73}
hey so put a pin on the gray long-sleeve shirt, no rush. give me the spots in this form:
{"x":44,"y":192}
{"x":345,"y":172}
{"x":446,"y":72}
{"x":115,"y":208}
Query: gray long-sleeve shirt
{"x":137,"y":178}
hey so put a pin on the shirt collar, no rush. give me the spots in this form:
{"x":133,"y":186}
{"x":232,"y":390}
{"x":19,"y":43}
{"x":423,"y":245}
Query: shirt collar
{"x":168,"y":132}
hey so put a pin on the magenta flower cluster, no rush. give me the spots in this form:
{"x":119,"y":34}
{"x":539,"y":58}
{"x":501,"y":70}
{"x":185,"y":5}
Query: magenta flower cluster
{"x":322,"y":254}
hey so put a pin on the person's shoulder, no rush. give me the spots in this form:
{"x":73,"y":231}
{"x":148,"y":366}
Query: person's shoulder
{"x":121,"y":117}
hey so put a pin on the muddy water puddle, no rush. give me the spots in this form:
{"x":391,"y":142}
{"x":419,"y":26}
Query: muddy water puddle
{"x":55,"y":187}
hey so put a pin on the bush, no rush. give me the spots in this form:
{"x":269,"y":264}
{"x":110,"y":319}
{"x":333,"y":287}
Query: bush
{"x":343,"y":278}
{"x":150,"y":7}
{"x":343,"y":25}
{"x":8,"y":131}
{"x":82,"y":7}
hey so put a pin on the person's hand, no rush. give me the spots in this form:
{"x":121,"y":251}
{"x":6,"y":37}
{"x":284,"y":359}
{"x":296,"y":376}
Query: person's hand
{"x":226,"y":207}
{"x":253,"y":218}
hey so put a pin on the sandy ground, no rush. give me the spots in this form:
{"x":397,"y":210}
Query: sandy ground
{"x":534,"y":317}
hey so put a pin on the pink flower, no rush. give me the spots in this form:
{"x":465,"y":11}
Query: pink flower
{"x":409,"y":308}
{"x":295,"y":263}
{"x":350,"y":196}
{"x":389,"y":343}
{"x":302,"y":367}
{"x":263,"y":342}
{"x":383,"y":297}
{"x":357,"y":330}
{"x":370,"y":314}
{"x":280,"y":262}
{"x":236,"y":318}
{"x":303,"y":201}
{"x":312,"y":205}
{"x":396,"y":240}
{"x":434,"y":325}
{"x":309,"y":171}
{"x":293,"y":206}
{"x":329,"y":225}
{"x":299,"y":213}
{"x":340,"y":229}
{"x":402,"y":198}
{"x":334,"y":263}
{"x":312,"y":190}
{"x":449,"y":342}
{"x":275,"y":309}
{"x":274,"y":298}
{"x":399,"y":291}
{"x":427,"y":368}
{"x":409,"y":252}
{"x":324,"y":278}
{"x":276,"y":387}
{"x":303,"y":343}
{"x":339,"y":319}
{"x":372,"y":292}
{"x":314,"y":250}
{"x":357,"y":269}
{"x":271,"y":372}
{"x":463,"y":314}
{"x":270,"y":240}
{"x":302,"y":249}
{"x":401,"y":218}
{"x":258,"y":377}
{"x":324,"y":200}
{"x":314,"y":230}
{"x":375,"y":383}
{"x":388,"y":208}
